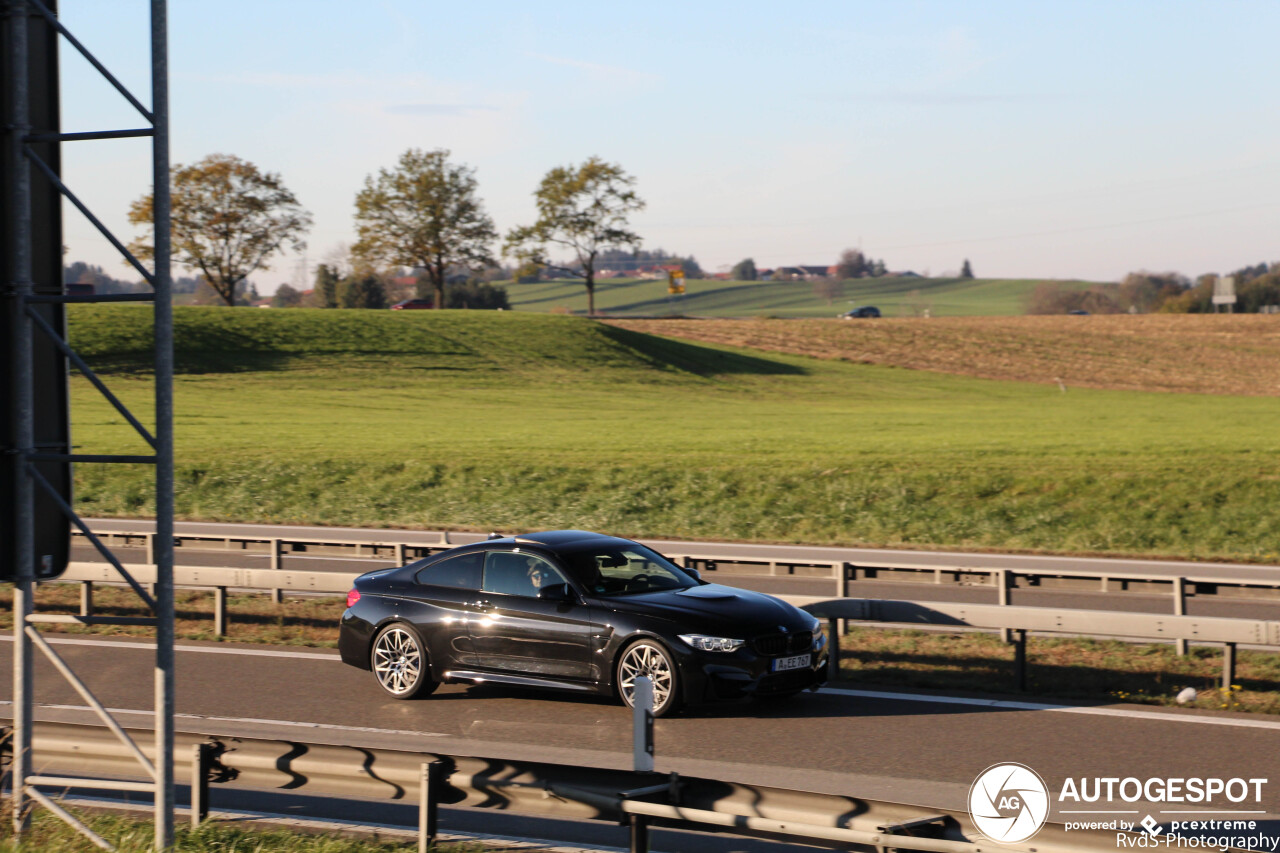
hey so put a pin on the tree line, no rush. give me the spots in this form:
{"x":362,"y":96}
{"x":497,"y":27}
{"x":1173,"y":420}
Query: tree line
{"x":228,"y":219}
{"x":1257,"y":287}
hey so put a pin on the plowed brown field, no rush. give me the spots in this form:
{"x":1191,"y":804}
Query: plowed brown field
{"x":1207,"y":354}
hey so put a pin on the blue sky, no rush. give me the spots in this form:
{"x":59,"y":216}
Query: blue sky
{"x":1037,"y":139}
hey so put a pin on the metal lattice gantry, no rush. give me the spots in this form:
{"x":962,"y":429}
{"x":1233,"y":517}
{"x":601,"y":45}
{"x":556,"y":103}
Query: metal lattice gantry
{"x":32,"y":294}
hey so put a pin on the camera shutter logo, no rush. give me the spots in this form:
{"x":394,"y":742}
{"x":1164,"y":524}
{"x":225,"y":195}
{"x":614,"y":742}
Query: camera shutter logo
{"x":1009,"y":803}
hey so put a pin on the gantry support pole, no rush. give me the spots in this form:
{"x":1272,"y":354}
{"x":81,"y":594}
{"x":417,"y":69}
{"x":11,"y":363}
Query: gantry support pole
{"x":18,"y":215}
{"x":164,"y":427}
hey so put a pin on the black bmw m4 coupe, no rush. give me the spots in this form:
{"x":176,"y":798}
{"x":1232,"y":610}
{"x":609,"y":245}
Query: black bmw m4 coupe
{"x":577,"y":611}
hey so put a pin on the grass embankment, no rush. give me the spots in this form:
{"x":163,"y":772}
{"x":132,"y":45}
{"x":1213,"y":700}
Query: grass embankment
{"x":896,"y":297}
{"x":518,"y":421}
{"x":130,"y":834}
{"x":1061,"y":668}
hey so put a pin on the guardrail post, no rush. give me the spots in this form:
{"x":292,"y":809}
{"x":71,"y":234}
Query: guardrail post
{"x":1228,"y":665}
{"x":1002,"y":598}
{"x":639,"y":834}
{"x":151,"y":549}
{"x":1020,"y":658}
{"x":642,"y":724}
{"x":833,"y":649}
{"x":400,"y":560}
{"x":200,"y":754}
{"x":277,"y":594}
{"x":220,"y":611}
{"x":430,"y":782}
{"x":844,"y":573}
{"x":86,"y":598}
{"x":1180,"y":609}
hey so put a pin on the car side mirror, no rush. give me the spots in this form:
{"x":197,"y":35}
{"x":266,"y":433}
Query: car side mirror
{"x":557,"y":592}
{"x":694,"y":573}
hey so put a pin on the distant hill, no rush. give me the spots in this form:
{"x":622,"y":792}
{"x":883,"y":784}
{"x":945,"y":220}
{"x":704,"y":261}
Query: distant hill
{"x":895,"y":297}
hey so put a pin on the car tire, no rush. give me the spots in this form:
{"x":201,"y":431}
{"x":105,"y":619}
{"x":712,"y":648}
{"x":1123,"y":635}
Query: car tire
{"x":648,"y":657}
{"x":399,"y":661}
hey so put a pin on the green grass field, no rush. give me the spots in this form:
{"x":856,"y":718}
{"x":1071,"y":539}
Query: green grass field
{"x":523,"y":421}
{"x":895,"y":297}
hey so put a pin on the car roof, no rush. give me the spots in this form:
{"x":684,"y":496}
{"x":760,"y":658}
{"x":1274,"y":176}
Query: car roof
{"x":560,"y":539}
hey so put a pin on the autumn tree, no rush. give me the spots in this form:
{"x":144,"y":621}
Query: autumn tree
{"x":424,"y":214}
{"x":582,"y":210}
{"x":226,"y":219}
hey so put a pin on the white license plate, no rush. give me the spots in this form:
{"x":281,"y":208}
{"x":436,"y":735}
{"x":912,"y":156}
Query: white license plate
{"x":796,"y":662}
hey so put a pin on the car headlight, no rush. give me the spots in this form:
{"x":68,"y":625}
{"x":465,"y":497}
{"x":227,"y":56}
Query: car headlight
{"x":819,"y":635}
{"x":712,"y":644}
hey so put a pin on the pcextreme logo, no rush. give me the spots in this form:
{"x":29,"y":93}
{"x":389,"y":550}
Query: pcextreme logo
{"x":1009,"y":803}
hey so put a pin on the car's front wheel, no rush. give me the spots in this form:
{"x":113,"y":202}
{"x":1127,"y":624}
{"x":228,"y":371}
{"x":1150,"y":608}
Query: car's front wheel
{"x":648,"y":658}
{"x":400,"y":662}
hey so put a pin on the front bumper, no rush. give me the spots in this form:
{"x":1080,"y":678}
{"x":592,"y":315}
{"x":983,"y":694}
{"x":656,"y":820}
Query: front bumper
{"x":712,"y":677}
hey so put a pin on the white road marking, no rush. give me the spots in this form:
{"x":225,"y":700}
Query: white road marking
{"x":208,"y":650}
{"x":1014,"y":705}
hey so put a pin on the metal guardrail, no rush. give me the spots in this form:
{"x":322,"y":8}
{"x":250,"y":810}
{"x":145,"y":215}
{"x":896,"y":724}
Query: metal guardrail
{"x":636,"y":799}
{"x":1016,"y":620}
{"x":1148,"y":626}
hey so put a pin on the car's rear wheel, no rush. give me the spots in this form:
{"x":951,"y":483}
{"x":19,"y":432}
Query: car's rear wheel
{"x":648,"y":658}
{"x":399,"y":662}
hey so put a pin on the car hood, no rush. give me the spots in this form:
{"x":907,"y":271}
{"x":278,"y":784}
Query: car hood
{"x":711,"y":607}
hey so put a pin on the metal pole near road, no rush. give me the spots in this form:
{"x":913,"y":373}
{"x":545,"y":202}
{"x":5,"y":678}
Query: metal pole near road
{"x":18,"y":216}
{"x":642,"y":724}
{"x":164,"y":687}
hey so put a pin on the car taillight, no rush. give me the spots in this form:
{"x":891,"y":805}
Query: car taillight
{"x":353,"y":597}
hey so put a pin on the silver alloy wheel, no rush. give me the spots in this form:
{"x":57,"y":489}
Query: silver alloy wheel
{"x":397,"y":661}
{"x":645,"y":659}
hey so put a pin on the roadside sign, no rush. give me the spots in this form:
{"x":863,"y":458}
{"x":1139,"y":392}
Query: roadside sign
{"x":1224,"y":290}
{"x":675,"y":282}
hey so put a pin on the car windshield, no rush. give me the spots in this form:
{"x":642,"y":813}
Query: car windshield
{"x":625,"y":570}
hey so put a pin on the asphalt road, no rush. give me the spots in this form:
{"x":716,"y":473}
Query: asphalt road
{"x":896,"y":746}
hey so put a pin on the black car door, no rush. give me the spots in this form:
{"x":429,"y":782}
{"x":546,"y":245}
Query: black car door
{"x":446,"y":593}
{"x":517,"y":632}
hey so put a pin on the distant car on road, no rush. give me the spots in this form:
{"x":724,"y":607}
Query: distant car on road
{"x":861,"y":311}
{"x":412,"y":304}
{"x":576,"y":611}
{"x":1078,"y":312}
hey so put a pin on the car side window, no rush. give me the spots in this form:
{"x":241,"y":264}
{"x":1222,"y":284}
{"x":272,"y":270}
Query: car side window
{"x":461,"y":572}
{"x":512,"y":573}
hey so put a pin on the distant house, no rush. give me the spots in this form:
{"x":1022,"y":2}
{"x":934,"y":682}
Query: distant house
{"x":764,"y":275}
{"x":814,"y":273}
{"x":788,"y":274}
